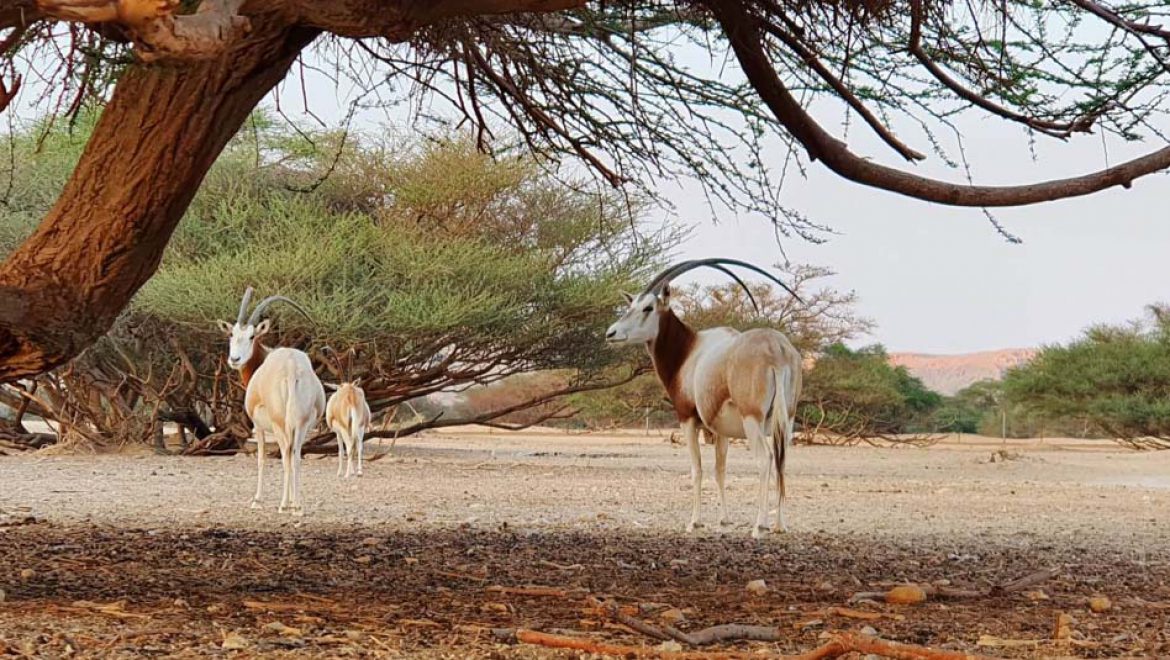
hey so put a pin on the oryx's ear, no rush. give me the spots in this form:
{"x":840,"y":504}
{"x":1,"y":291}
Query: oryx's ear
{"x":629,"y":297}
{"x":225,"y":326}
{"x":330,"y":386}
{"x":263,"y":328}
{"x":357,"y":382}
{"x":665,"y":295}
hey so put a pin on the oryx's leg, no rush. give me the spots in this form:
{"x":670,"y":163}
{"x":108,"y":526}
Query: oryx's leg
{"x":340,"y":452}
{"x":298,"y":440}
{"x":361,"y":441}
{"x":259,"y":467}
{"x":721,"y":442}
{"x":690,"y":429}
{"x":350,"y":451}
{"x":762,"y":449}
{"x":783,"y":446}
{"x":286,"y":468}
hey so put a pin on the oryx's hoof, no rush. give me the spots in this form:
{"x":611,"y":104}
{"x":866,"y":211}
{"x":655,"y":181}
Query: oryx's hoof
{"x":692,"y":526}
{"x":758,"y":531}
{"x":297,"y":512}
{"x":257,"y":505}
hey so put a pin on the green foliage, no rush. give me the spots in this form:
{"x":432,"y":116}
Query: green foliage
{"x":1113,"y":381}
{"x":438,"y":265}
{"x":857,"y":393}
{"x":970,"y":409}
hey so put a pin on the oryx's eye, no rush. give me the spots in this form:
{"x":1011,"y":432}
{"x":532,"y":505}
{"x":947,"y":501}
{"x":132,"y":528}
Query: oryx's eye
{"x":648,"y":310}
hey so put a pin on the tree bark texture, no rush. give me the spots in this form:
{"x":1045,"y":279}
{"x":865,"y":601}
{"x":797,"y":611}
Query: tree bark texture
{"x":164,"y":127}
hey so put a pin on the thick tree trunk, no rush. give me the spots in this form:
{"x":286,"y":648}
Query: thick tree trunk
{"x":164,"y":127}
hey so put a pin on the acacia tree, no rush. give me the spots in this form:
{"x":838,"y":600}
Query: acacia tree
{"x":1113,"y":381}
{"x":425,"y":268}
{"x":600,"y":80}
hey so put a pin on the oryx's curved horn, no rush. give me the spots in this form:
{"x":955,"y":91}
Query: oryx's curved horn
{"x":268,"y":301}
{"x":665,"y":277}
{"x":244,"y":306}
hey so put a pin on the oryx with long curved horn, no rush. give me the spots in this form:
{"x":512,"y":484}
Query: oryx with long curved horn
{"x":733,"y":384}
{"x":282,"y":396}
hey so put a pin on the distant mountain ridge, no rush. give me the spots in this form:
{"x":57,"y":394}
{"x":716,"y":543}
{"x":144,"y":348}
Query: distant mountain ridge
{"x":948,"y":374}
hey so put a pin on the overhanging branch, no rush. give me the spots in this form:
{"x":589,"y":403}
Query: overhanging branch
{"x":157,"y":31}
{"x":746,"y":38}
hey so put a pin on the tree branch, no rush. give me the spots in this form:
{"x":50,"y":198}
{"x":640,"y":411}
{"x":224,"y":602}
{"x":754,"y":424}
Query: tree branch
{"x":1060,"y":130}
{"x":811,"y":61}
{"x":743,"y":30}
{"x":154,"y":27}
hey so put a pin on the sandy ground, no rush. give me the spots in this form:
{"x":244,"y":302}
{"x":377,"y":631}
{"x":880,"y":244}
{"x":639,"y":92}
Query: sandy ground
{"x":396,"y":563}
{"x":1059,"y":491}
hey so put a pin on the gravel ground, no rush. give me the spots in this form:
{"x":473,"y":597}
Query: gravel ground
{"x":1067,"y":492}
{"x":136,"y":554}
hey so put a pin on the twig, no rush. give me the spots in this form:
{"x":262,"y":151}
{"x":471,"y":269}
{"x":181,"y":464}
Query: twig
{"x":1026,"y":581}
{"x":553,"y":592}
{"x":1005,"y":588}
{"x":839,"y":645}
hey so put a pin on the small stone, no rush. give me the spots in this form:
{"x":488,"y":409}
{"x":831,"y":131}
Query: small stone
{"x":1035,"y":595}
{"x":355,"y":635}
{"x":670,"y":646}
{"x":1062,"y":630}
{"x":179,"y":602}
{"x":411,"y":561}
{"x":28,"y":574}
{"x":281,"y":629}
{"x":1100,"y":604}
{"x":757,"y":587}
{"x":215,"y":608}
{"x":364,"y":559}
{"x":371,"y":541}
{"x":869,"y":630}
{"x":234,"y":642}
{"x":673,"y":616}
{"x":907,"y":594}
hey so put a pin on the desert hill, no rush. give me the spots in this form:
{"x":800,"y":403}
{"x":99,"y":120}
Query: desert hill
{"x":948,"y":374}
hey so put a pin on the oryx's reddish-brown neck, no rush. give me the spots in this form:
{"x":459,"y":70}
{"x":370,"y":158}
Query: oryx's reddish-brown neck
{"x":670,"y":350}
{"x":259,"y":352}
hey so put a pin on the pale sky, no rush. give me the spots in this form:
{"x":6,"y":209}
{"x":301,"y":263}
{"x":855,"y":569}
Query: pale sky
{"x":938,"y":279}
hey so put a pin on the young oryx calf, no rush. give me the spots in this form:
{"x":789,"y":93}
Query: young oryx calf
{"x":732,"y":384}
{"x":283,"y":396}
{"x":348,"y":414}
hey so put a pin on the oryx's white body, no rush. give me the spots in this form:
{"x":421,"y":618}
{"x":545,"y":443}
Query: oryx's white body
{"x":733,"y":384}
{"x":348,"y":414}
{"x":283,"y":397}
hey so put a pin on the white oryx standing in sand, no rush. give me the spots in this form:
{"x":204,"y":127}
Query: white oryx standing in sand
{"x":283,"y":395}
{"x":348,"y":414}
{"x":733,"y":384}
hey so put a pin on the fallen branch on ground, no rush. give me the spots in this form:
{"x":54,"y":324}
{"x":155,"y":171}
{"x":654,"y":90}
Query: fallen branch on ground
{"x":939,"y":591}
{"x":535,"y":591}
{"x":723,"y":633}
{"x":839,"y":645}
